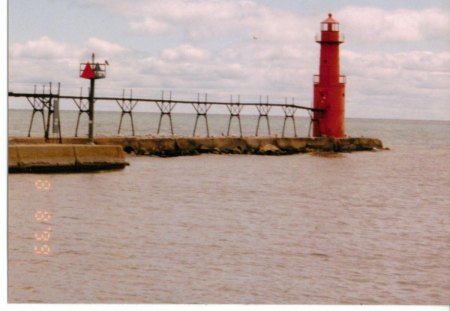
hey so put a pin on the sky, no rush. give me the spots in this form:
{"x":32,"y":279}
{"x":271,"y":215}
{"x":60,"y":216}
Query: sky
{"x":396,"y":54}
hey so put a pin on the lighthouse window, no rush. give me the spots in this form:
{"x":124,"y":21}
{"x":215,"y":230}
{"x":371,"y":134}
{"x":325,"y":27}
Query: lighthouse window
{"x":324,"y":27}
{"x":335,"y":27}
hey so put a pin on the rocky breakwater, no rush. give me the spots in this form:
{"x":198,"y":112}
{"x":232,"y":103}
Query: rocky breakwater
{"x":178,"y":146}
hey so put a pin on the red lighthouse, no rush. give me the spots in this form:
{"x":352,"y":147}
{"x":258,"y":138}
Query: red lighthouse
{"x":329,"y":85}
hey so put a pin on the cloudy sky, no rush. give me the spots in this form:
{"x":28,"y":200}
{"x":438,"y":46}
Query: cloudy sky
{"x":396,"y":55}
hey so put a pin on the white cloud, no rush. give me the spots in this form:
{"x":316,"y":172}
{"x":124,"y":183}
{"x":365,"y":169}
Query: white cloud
{"x":185,"y":52}
{"x":103,"y":47}
{"x":41,"y":48}
{"x":370,"y":24}
{"x":408,"y":83}
{"x":45,"y":59}
{"x":382,"y":65}
{"x":206,"y":19}
{"x":149,"y":26}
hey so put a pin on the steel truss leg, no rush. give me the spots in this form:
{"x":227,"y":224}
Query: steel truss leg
{"x":229,"y":124}
{"x":268,"y":124}
{"x":132,"y":123}
{"x":159,"y":123}
{"x":131,"y":120}
{"x":170,"y":121}
{"x":120,"y":123}
{"x":196,"y":123}
{"x":284,"y":125}
{"x":80,"y":113}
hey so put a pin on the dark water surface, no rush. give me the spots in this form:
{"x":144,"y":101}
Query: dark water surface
{"x":369,"y":227}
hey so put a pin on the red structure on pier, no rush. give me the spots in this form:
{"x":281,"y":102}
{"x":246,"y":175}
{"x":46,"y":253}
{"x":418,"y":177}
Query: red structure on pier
{"x":92,"y":71}
{"x":329,"y":85}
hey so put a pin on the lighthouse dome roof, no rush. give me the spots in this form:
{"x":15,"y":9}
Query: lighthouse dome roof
{"x":330,"y":20}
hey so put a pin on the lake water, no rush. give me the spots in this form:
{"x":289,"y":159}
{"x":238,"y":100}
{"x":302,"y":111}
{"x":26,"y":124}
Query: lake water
{"x":368,"y":227}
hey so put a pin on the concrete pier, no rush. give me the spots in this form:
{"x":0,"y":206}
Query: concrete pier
{"x":177,"y":146}
{"x":44,"y":158}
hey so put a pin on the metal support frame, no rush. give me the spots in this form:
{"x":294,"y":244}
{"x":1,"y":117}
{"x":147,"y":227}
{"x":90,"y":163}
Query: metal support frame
{"x":202,"y":109}
{"x":57,"y":117}
{"x":289,"y":113}
{"x":83,"y":108}
{"x":235,"y":111}
{"x":312,"y":121}
{"x":46,"y":100}
{"x":91,"y":110}
{"x":263,"y":110}
{"x":166,"y":107}
{"x":50,"y":104}
{"x":38,"y":107}
{"x":51,"y":115}
{"x":127,"y":106}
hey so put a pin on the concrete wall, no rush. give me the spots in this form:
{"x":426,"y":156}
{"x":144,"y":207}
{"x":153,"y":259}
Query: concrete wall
{"x":64,"y":157}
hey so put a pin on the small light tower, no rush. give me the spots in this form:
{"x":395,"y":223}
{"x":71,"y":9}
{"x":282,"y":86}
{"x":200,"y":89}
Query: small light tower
{"x":329,"y":85}
{"x":92,"y":71}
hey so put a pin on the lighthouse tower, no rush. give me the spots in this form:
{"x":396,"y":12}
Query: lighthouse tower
{"x":329,"y":85}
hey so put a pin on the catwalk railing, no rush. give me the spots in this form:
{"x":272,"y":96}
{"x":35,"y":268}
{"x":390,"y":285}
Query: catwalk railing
{"x":49,"y":100}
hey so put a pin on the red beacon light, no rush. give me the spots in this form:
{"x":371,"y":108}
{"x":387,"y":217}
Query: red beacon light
{"x":93,"y":70}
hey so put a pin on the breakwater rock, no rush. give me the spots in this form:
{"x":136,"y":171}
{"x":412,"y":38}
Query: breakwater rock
{"x":178,"y":146}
